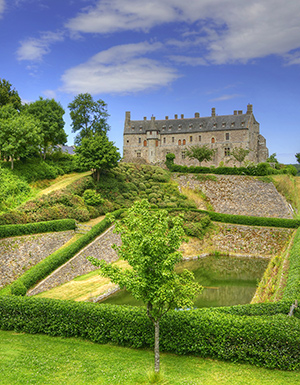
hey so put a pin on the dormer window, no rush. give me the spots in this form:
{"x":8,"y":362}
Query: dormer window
{"x":223,"y":124}
{"x":215,"y":125}
{"x":243,"y":124}
{"x":200,"y":125}
{"x":232,"y":124}
{"x":141,"y":127}
{"x":170,"y":128}
{"x":163,"y":128}
{"x":180,"y":127}
{"x":132,"y":127}
{"x":190,"y":126}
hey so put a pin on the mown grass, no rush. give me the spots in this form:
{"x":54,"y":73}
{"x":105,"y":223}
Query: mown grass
{"x":38,"y":359}
{"x":289,"y":187}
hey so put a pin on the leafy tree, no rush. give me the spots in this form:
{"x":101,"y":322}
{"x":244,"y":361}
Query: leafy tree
{"x":150,"y":242}
{"x":9,"y":95}
{"x":272,"y":159}
{"x":97,"y":153}
{"x":50,"y":114}
{"x":298,"y":157}
{"x":19,"y":134}
{"x":201,"y":153}
{"x":239,"y":154}
{"x":88,"y":117}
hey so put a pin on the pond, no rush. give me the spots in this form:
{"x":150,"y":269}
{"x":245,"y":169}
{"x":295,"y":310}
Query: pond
{"x":226,"y":280}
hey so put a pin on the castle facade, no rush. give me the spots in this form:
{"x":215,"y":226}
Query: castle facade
{"x":151,"y":140}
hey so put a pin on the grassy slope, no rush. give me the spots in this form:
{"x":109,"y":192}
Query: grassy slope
{"x":34,"y":359}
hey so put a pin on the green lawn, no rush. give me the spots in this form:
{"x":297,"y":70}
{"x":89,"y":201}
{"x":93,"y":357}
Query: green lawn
{"x":38,"y":359}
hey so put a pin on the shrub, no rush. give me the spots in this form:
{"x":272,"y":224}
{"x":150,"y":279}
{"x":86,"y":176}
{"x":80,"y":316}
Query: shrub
{"x":92,"y":198}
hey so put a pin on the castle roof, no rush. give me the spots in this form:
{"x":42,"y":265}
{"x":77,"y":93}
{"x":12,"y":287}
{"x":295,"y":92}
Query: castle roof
{"x":237,"y":121}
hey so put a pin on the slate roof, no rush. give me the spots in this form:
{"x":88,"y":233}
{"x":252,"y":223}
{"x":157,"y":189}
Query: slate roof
{"x":191,"y":125}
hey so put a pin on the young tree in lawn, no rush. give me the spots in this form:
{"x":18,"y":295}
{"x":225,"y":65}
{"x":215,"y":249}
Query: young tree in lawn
{"x":20,"y":134}
{"x":201,"y":153}
{"x":88,"y":116}
{"x":97,"y":153}
{"x":50,"y":114}
{"x":150,"y":242}
{"x":9,"y":95}
{"x":239,"y":154}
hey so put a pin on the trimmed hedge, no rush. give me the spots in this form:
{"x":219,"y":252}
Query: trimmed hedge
{"x":271,"y":341}
{"x":292,"y":289}
{"x":36,"y":228}
{"x":55,"y":260}
{"x":247,"y":220}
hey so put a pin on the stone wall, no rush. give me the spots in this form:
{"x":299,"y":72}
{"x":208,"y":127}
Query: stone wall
{"x":100,"y":248}
{"x":241,"y":195}
{"x":18,"y":254}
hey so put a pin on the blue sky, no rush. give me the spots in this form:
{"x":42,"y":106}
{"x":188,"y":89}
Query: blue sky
{"x":160,"y":57}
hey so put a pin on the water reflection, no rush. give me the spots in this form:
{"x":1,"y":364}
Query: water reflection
{"x":226,"y":280}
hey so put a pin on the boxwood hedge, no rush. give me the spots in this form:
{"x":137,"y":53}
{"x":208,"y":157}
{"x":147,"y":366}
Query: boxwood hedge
{"x":270,"y":340}
{"x":35,"y":228}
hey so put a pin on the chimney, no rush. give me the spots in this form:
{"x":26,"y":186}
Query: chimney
{"x":240,"y":112}
{"x":213,"y":112}
{"x":249,"y":109}
{"x":152,"y":118}
{"x":182,"y":116}
{"x":176,"y":116}
{"x":127,"y":118}
{"x":235,"y":112}
{"x":167,"y":118}
{"x":197,"y":115}
{"x":145,"y":117}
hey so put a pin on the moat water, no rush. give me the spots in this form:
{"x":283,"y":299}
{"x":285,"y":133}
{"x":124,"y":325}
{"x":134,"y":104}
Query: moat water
{"x":226,"y":280}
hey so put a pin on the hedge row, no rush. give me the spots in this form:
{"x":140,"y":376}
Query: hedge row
{"x":55,"y":260}
{"x":247,"y":220}
{"x":271,"y":341}
{"x":292,"y":289}
{"x":36,"y":228}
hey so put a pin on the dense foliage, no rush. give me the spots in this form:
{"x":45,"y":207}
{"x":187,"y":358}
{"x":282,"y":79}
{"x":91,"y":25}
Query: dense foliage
{"x":261,"y":335}
{"x":292,"y":289}
{"x":9,"y":95}
{"x":35,"y":228}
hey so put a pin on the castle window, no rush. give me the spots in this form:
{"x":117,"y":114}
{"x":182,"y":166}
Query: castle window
{"x":141,"y":127}
{"x":127,"y":141}
{"x":163,"y":127}
{"x":213,"y":140}
{"x":227,"y":136}
{"x":170,"y":127}
{"x":140,"y":140}
{"x":173,"y":139}
{"x":132,"y":127}
{"x":183,"y":155}
{"x":180,"y":126}
{"x":190,"y":126}
{"x":223,"y":124}
{"x":215,"y":125}
{"x":156,"y":143}
{"x":179,"y":142}
{"x":191,"y":138}
{"x":199,"y":138}
{"x":138,"y":154}
{"x":232,"y":124}
{"x":200,"y":125}
{"x":243,"y":124}
{"x":145,"y":143}
{"x":183,"y":142}
{"x":164,"y":139}
{"x":227,"y":151}
{"x":150,"y":132}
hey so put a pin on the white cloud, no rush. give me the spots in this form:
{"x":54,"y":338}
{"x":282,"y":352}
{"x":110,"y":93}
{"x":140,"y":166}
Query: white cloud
{"x":34,"y":49}
{"x":225,"y":97}
{"x":120,"y":69}
{"x":188,"y":60}
{"x":235,"y":30}
{"x":2,"y":6}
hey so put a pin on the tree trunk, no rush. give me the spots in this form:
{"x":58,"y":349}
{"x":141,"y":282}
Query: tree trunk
{"x":156,"y":347}
{"x":12,"y":162}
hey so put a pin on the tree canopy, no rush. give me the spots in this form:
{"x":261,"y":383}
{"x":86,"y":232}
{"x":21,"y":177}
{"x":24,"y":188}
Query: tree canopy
{"x":298,"y":157}
{"x":201,"y":153}
{"x":239,"y":154}
{"x":97,"y":153}
{"x":50,"y":115}
{"x":20,"y":134}
{"x":88,"y":116}
{"x":9,"y":95}
{"x":150,"y":242}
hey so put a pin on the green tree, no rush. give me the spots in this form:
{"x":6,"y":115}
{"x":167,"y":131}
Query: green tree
{"x":239,"y":154}
{"x":50,"y":114}
{"x":298,"y":157}
{"x":88,"y":116}
{"x":272,"y":159}
{"x":9,"y":95}
{"x":97,"y":153}
{"x":150,"y":242}
{"x":19,"y":134}
{"x":201,"y":153}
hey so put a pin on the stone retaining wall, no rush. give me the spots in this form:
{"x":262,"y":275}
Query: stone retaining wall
{"x":241,"y":195}
{"x":100,"y":248}
{"x":18,"y":254}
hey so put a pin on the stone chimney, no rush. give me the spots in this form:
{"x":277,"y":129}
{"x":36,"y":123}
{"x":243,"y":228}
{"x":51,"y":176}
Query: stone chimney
{"x":127,"y":118}
{"x":176,"y":116}
{"x":249,"y":109}
{"x":182,"y":116}
{"x":145,"y":117}
{"x":235,"y":112}
{"x":240,"y":112}
{"x":197,"y":115}
{"x":213,"y":112}
{"x":166,"y":118}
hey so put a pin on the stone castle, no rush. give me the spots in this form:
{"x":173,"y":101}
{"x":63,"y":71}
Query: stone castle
{"x":150,"y":141}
